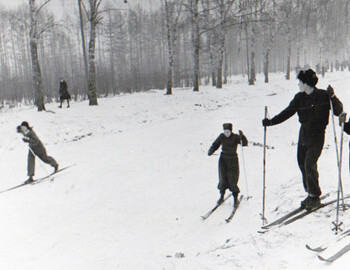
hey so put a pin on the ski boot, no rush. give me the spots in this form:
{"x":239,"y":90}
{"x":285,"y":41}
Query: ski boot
{"x":304,"y":202}
{"x":29,"y":180}
{"x":221,"y":199}
{"x":56,"y":168}
{"x":235,"y":200}
{"x":313,"y":203}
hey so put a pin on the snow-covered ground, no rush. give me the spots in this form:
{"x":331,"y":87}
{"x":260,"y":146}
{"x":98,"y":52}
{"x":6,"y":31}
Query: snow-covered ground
{"x":143,"y":179}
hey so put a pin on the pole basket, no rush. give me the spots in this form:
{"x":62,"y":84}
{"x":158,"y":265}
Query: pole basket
{"x":337,"y":227}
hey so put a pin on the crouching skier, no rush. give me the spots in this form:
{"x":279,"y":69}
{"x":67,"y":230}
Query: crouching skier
{"x":36,"y":148}
{"x":228,"y":161}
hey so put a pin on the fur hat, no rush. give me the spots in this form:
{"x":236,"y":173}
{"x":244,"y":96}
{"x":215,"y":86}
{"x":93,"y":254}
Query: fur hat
{"x":309,"y":77}
{"x":227,"y":126}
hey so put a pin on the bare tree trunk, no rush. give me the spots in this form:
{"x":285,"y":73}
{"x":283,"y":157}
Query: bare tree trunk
{"x":252,"y":69}
{"x":252,"y":59}
{"x":247,"y":48}
{"x":220,"y":58}
{"x":92,"y":44}
{"x":266,"y":65}
{"x":212,"y":60}
{"x":170,"y":52}
{"x":225,"y":65}
{"x":111,"y":47}
{"x":288,"y":58}
{"x":83,"y":44}
{"x":196,"y":44}
{"x":37,"y":80}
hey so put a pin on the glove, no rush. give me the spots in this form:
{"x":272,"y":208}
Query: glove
{"x":18,"y":128}
{"x":342,"y":118}
{"x":266,"y":122}
{"x":210,"y":152}
{"x":330,"y":91}
{"x":25,"y":140}
{"x":240,"y":134}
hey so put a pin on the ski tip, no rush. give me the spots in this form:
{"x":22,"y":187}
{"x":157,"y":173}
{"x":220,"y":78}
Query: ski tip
{"x":318,"y":249}
{"x":323,"y":259}
{"x":308,"y":247}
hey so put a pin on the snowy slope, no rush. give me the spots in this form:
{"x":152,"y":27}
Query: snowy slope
{"x":143,"y":179}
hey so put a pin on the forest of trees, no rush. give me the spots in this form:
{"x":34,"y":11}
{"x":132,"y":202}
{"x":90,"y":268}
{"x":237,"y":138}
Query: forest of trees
{"x":102,"y":50}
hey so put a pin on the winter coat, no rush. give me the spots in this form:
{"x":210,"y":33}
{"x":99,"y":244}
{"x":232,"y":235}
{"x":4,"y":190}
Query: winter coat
{"x":63,"y":92}
{"x":228,"y":144}
{"x":34,"y":141}
{"x":313,"y":110}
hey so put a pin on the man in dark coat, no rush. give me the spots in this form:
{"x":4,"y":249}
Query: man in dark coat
{"x":36,"y":148}
{"x":312,"y":106}
{"x":63,"y":92}
{"x":228,"y":161}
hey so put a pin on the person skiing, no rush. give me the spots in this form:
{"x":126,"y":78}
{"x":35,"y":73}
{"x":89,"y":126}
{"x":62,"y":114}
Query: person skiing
{"x":228,"y":161}
{"x":36,"y":148}
{"x":63,"y":92}
{"x":312,"y":106}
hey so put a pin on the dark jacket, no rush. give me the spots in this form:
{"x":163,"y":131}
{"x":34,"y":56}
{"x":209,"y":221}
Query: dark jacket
{"x":313,"y":110}
{"x":63,"y":92}
{"x":33,"y":139}
{"x":228,"y":144}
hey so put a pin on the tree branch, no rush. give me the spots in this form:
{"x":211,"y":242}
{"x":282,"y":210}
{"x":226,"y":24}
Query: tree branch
{"x":98,"y":5}
{"x":37,"y":12}
{"x":111,"y":9}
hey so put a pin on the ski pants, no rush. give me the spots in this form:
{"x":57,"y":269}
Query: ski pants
{"x":41,"y":153}
{"x":228,"y":174}
{"x":309,"y":150}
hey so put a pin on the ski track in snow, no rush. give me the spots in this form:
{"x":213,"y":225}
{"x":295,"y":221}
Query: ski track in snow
{"x":143,"y":179}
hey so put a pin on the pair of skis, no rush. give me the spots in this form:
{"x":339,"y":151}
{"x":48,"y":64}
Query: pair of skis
{"x":331,"y":252}
{"x":297,"y":214}
{"x":233,"y":212}
{"x":39,"y":180}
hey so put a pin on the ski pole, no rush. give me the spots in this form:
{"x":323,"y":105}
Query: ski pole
{"x":264,"y":173}
{"x":340,"y":188}
{"x":340,"y":184}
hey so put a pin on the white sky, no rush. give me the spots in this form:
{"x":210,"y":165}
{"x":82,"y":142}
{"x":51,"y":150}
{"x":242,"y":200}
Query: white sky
{"x":67,"y":3}
{"x":60,"y":7}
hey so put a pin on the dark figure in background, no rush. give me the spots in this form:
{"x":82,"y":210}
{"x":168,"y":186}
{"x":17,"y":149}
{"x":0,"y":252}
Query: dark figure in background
{"x":36,"y":148}
{"x":313,"y":106}
{"x":228,"y":161}
{"x":63,"y":92}
{"x":342,"y":120}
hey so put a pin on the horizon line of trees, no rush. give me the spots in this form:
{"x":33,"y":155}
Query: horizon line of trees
{"x":102,"y":50}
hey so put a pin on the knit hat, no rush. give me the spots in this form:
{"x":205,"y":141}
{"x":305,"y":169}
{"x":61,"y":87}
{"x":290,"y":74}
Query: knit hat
{"x":227,"y":126}
{"x":309,"y":77}
{"x":25,"y":124}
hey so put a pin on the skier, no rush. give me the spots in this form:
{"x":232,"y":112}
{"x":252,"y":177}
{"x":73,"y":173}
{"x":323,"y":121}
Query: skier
{"x":63,"y":92}
{"x":36,"y":148}
{"x":312,"y":106}
{"x":228,"y":161}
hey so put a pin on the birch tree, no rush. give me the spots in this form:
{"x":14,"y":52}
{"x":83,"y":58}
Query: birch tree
{"x":36,"y":71}
{"x":222,"y":8}
{"x":172,"y":14}
{"x":193,"y":8}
